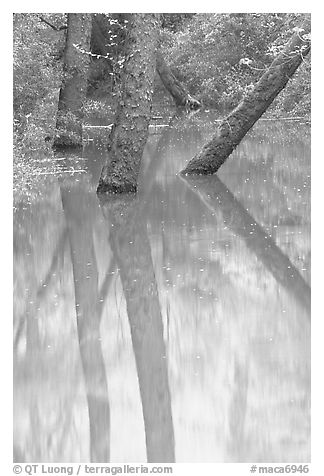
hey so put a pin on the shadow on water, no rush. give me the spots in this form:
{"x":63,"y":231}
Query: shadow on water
{"x":171,"y":326}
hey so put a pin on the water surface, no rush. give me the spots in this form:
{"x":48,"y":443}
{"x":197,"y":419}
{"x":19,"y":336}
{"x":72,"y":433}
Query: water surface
{"x":171,"y":326}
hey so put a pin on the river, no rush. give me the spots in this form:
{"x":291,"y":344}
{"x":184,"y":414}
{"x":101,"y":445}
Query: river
{"x":174,"y":325}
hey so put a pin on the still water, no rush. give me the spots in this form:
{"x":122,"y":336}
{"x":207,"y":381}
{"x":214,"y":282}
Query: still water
{"x":171,"y":326}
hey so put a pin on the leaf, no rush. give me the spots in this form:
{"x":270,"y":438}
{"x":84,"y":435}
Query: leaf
{"x":297,"y":29}
{"x":245,"y":61}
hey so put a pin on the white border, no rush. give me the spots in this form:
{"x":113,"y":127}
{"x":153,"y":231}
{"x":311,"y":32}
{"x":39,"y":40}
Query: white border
{"x":317,"y":200}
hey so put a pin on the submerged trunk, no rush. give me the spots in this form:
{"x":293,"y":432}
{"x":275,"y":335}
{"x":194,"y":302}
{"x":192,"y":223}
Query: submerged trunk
{"x":234,"y":127}
{"x":130,"y":131}
{"x":173,"y":86}
{"x":74,"y":85}
{"x":131,"y":247}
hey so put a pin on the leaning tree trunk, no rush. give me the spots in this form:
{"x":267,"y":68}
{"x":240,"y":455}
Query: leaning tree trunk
{"x":173,"y":86}
{"x":74,"y":85}
{"x":234,"y":127}
{"x":130,"y":131}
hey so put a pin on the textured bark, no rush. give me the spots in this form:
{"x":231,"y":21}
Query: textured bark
{"x":216,"y":195}
{"x":74,"y":85}
{"x":234,"y":127}
{"x":99,"y":42}
{"x":174,"y":86}
{"x":177,"y":90}
{"x":130,"y":131}
{"x":100,"y":46}
{"x":85,"y":277}
{"x":130,"y":245}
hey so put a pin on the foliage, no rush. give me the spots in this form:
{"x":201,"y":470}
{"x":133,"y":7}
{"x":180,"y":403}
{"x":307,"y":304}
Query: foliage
{"x":296,"y":98}
{"x":217,"y":56}
{"x":220,"y":56}
{"x":107,"y":52}
{"x":37,"y":78}
{"x":37,"y":74}
{"x":175,"y":21}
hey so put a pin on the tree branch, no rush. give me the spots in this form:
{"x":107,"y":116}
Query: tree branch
{"x":63,"y":27}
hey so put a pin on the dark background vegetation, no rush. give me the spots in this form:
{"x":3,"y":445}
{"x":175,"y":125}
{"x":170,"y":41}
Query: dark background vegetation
{"x":217,"y":56}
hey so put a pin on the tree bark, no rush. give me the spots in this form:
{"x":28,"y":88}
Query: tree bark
{"x":74,"y":85}
{"x":130,"y":245}
{"x":177,"y":90}
{"x":99,"y":42}
{"x":130,"y":131}
{"x":234,"y":127}
{"x":174,"y":86}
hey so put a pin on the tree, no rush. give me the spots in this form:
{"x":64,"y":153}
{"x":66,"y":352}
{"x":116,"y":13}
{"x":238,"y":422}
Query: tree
{"x":36,"y":82}
{"x":205,"y":53}
{"x":177,"y":90}
{"x":74,"y":85}
{"x":234,"y":127}
{"x":130,"y":131}
{"x":102,"y":45}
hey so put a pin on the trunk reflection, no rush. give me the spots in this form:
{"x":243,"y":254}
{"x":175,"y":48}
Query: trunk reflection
{"x":216,"y":195}
{"x":85,"y":278}
{"x":130,"y":245}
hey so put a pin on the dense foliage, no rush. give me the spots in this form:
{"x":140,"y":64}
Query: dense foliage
{"x":37,"y":71}
{"x":36,"y":81}
{"x":217,"y":56}
{"x":220,"y":56}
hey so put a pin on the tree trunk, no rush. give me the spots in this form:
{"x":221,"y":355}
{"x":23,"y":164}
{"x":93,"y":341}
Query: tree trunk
{"x":216,"y":195}
{"x":173,"y":86}
{"x":130,"y":245}
{"x":130,"y":131}
{"x":171,"y":83}
{"x":74,"y":85}
{"x":234,"y":127}
{"x":99,"y":42}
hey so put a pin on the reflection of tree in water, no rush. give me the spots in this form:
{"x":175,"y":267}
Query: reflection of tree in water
{"x":236,"y":443}
{"x":39,"y":249}
{"x":214,"y":284}
{"x":222,"y":313}
{"x":131,"y":248}
{"x":215,"y":194}
{"x":79,"y":213}
{"x":51,"y":403}
{"x":288,"y":330}
{"x":272,"y":181}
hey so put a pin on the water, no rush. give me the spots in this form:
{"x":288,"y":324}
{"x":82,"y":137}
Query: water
{"x":173,"y":326}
